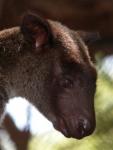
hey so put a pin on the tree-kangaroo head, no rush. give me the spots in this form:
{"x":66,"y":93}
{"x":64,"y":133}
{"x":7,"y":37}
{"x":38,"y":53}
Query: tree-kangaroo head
{"x":49,"y":65}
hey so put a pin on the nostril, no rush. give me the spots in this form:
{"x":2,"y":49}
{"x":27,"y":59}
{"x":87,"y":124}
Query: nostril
{"x":84,"y":127}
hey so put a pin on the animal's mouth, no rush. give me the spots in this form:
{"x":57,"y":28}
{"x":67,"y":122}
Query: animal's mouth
{"x":61,"y":126}
{"x":73,"y":129}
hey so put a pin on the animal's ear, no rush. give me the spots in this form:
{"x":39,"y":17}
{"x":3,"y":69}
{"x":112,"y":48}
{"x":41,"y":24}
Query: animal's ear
{"x":89,"y":37}
{"x":97,"y":43}
{"x":36,"y":30}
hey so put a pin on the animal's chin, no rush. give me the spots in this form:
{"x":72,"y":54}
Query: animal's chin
{"x":69,"y":131}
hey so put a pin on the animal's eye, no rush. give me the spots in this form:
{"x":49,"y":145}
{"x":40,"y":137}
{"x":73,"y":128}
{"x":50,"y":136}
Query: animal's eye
{"x":66,"y":82}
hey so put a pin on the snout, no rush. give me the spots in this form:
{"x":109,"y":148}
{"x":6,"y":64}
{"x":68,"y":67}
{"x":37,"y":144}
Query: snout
{"x":75,"y":128}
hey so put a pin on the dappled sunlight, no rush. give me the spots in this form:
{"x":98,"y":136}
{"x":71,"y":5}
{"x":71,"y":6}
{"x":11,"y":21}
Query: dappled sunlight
{"x":107,"y":65}
{"x":27,"y":116}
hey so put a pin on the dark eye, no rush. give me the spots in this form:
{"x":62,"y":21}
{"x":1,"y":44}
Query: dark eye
{"x":66,"y":82}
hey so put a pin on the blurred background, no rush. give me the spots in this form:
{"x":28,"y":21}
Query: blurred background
{"x":24,"y":127}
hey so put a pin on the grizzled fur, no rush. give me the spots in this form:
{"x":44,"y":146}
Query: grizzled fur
{"x":49,"y":65}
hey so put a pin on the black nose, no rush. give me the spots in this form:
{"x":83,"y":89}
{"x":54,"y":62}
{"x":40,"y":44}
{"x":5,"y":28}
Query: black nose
{"x":84,"y":128}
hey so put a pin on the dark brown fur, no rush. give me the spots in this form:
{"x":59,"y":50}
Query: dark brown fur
{"x":49,"y":65}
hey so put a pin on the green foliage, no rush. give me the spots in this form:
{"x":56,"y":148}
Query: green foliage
{"x":102,"y":139}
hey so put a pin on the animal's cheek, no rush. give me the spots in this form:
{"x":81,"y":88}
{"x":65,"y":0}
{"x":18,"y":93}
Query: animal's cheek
{"x":65,"y":103}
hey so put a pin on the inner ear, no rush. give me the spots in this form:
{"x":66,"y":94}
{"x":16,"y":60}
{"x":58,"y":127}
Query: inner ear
{"x":37,"y":30}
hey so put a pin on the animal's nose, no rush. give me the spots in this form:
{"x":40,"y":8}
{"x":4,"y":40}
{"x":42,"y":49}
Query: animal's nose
{"x":75,"y":128}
